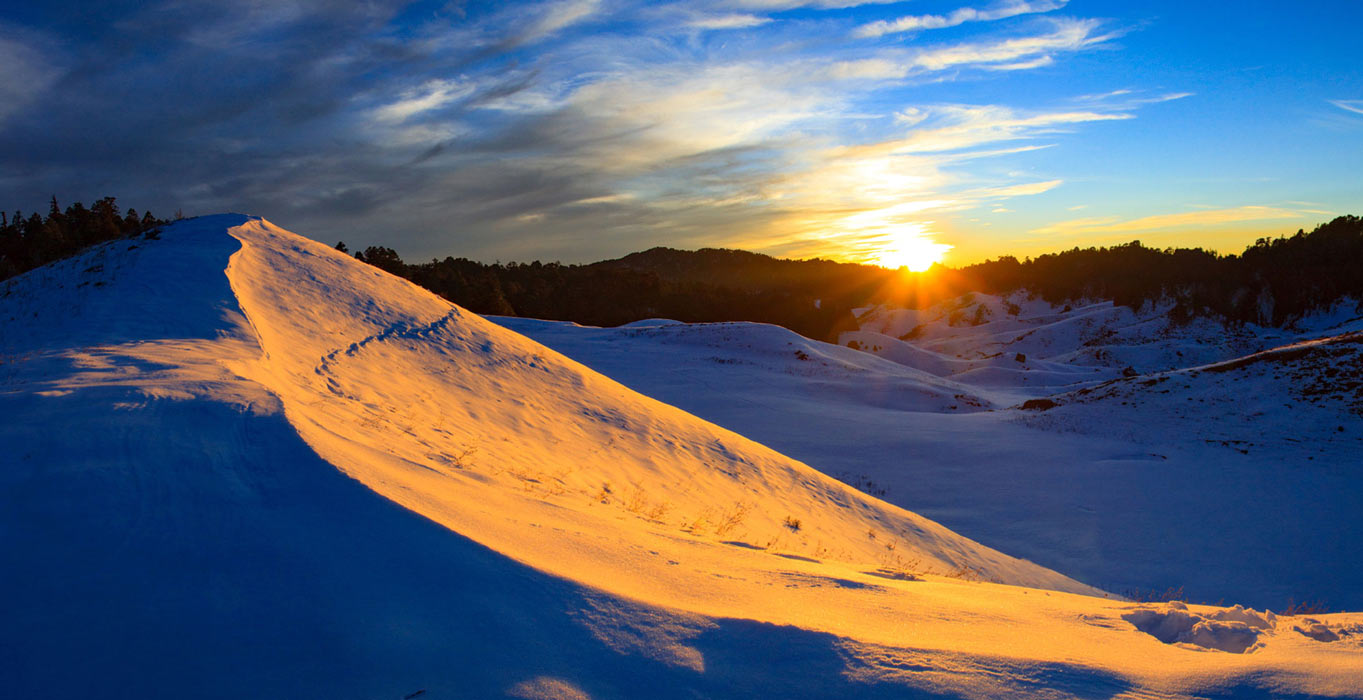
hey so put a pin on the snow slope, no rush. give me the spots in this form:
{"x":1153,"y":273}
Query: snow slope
{"x":176,"y":519}
{"x":1304,"y":397}
{"x":1237,"y":486}
{"x":1096,"y":337}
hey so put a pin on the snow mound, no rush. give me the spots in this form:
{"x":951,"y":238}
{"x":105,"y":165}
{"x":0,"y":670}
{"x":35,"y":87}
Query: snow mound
{"x":1068,"y":346}
{"x":1302,"y":393}
{"x":496,"y":432}
{"x":1235,"y":630}
{"x":1317,"y":630}
{"x":651,"y":322}
{"x":1329,"y":632}
{"x":754,"y":359}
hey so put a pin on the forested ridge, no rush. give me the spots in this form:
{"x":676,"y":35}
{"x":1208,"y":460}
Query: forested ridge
{"x":1272,"y":282}
{"x":34,"y":240}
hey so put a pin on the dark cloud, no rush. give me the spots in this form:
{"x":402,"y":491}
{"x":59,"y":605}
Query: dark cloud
{"x":214,"y":105}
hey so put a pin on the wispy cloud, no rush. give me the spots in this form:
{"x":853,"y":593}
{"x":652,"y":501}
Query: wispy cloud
{"x":727,"y":21}
{"x":1127,"y":99}
{"x":818,"y":4}
{"x":431,"y":95}
{"x":957,"y":127}
{"x":913,"y":23}
{"x":1355,"y":106}
{"x":554,"y":16}
{"x":1164,"y":222}
{"x":1069,"y":35}
{"x":866,"y":199}
{"x":573,"y":129}
{"x":24,"y":74}
{"x":1014,"y":53}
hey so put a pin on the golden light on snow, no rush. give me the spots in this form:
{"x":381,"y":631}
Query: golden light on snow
{"x":584,"y":514}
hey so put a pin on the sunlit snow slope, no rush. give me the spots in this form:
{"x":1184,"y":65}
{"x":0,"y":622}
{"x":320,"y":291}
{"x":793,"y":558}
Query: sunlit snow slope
{"x":180,"y":416}
{"x":1232,"y":477}
{"x":488,"y":432}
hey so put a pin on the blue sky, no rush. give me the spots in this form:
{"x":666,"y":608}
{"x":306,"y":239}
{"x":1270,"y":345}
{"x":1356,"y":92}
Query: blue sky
{"x":584,"y":129}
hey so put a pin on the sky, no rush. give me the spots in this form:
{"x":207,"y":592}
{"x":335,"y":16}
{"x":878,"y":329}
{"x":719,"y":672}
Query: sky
{"x":579,"y":130}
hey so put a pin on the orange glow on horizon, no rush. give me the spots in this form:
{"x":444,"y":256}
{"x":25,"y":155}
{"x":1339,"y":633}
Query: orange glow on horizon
{"x":913,"y":251}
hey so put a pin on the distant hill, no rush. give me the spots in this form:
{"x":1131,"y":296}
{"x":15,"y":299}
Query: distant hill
{"x":1272,"y":283}
{"x":755,"y":272}
{"x":814,"y":298}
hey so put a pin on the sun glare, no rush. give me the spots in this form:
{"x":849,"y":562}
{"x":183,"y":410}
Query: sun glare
{"x":913,"y":251}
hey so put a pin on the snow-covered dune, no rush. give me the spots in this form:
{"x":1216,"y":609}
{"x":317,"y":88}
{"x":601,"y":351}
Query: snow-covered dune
{"x":753,"y":359}
{"x":1229,"y":480}
{"x":1140,"y":487}
{"x":1306,"y":396}
{"x":181,"y":415}
{"x":487,"y":431}
{"x":1083,"y":343}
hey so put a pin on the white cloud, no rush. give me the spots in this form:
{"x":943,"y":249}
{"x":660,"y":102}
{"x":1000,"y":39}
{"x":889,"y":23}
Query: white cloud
{"x":1029,"y":64}
{"x":867,"y":69}
{"x":1159,"y":222}
{"x":678,"y":136}
{"x":729,"y":21}
{"x":1129,"y":99}
{"x":1102,"y":96}
{"x":957,"y":127}
{"x":910,"y":116}
{"x":912,"y":23}
{"x":431,"y":95}
{"x":1018,"y":53}
{"x":1025,"y":189}
{"x":817,"y":4}
{"x":556,"y":16}
{"x":1355,"y":106}
{"x":1069,"y":35}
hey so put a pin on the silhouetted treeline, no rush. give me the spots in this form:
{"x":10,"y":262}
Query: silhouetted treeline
{"x":812,"y":298}
{"x":30,"y":241}
{"x":1272,"y":282}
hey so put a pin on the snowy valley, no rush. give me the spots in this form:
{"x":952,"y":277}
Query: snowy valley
{"x":1144,"y":456}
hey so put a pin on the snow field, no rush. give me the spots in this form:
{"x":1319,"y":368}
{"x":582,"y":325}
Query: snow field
{"x":514,"y":523}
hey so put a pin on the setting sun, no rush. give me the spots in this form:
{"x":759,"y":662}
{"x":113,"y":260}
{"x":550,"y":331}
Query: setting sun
{"x":912,"y":251}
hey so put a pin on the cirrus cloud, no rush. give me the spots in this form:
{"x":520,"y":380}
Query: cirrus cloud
{"x":957,"y":17}
{"x":574,"y":129}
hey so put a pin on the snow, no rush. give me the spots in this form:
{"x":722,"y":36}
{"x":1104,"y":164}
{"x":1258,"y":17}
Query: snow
{"x":1235,"y":485}
{"x":1235,"y":630}
{"x":248,"y":465}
